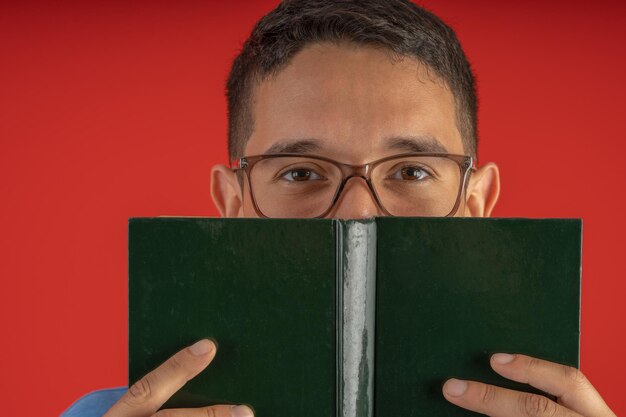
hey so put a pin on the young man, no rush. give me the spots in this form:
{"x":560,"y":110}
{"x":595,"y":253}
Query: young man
{"x":351,"y":109}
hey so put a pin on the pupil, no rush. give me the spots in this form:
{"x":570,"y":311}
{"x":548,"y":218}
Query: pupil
{"x":409,"y":173}
{"x":300,"y":174}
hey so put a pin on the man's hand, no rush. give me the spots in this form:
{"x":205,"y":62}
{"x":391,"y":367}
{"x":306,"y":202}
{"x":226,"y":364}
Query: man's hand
{"x":146,"y":396}
{"x":575,"y":395}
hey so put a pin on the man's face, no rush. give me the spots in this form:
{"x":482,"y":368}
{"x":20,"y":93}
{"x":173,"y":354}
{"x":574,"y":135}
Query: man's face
{"x":353,"y":104}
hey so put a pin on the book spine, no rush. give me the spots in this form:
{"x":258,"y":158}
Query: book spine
{"x":356,"y":286}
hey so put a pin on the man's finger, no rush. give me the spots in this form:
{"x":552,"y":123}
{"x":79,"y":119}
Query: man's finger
{"x":148,"y":394}
{"x":212,"y":411}
{"x":568,"y":384}
{"x":501,"y":402}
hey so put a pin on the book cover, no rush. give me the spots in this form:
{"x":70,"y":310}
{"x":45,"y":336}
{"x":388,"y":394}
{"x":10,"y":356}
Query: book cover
{"x":351,"y":318}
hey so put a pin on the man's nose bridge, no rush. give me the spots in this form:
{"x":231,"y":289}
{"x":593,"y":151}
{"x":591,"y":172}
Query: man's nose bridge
{"x":355,"y":177}
{"x":354,"y":172}
{"x":353,"y":186}
{"x":366,"y":183}
{"x":356,"y":199}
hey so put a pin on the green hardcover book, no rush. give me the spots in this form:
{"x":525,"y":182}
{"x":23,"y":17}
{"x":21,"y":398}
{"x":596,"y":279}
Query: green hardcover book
{"x":350,"y":318}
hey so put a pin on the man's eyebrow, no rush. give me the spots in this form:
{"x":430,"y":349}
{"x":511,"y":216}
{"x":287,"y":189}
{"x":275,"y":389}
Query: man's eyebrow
{"x":405,"y":144}
{"x":295,"y":146}
{"x":416,"y":144}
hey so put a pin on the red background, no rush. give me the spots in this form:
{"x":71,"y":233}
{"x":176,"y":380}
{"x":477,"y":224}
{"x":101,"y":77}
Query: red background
{"x":113,"y":109}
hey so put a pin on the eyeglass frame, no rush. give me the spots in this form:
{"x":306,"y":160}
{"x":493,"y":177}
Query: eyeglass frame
{"x":464,"y":162}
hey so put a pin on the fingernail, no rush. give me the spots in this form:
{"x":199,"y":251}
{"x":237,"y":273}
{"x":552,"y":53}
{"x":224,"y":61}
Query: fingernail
{"x":241,"y":411}
{"x":502,"y":358}
{"x":455,"y":387}
{"x":201,"y":347}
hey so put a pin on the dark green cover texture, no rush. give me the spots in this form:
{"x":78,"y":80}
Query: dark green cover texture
{"x":448,"y":293}
{"x":264,"y":292}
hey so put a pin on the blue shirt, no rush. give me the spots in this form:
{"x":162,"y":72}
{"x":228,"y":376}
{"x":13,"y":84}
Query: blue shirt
{"x":94,"y":404}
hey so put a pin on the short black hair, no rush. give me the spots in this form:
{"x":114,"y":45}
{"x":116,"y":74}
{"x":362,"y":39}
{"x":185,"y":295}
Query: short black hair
{"x":400,"y":26}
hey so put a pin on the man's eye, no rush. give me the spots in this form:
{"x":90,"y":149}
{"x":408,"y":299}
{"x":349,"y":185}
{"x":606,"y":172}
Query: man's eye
{"x":410,"y":174}
{"x":300,"y":175}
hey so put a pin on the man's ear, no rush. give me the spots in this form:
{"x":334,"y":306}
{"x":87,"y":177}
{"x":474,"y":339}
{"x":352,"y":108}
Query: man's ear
{"x":226,"y":192}
{"x":482,"y":191}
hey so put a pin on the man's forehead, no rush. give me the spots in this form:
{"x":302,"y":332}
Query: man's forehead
{"x":353,"y":100}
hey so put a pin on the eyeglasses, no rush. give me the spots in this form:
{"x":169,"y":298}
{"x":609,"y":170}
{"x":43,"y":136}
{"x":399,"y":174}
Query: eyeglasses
{"x":307,"y":186}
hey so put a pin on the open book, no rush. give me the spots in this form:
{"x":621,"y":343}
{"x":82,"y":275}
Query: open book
{"x":346,"y":318}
